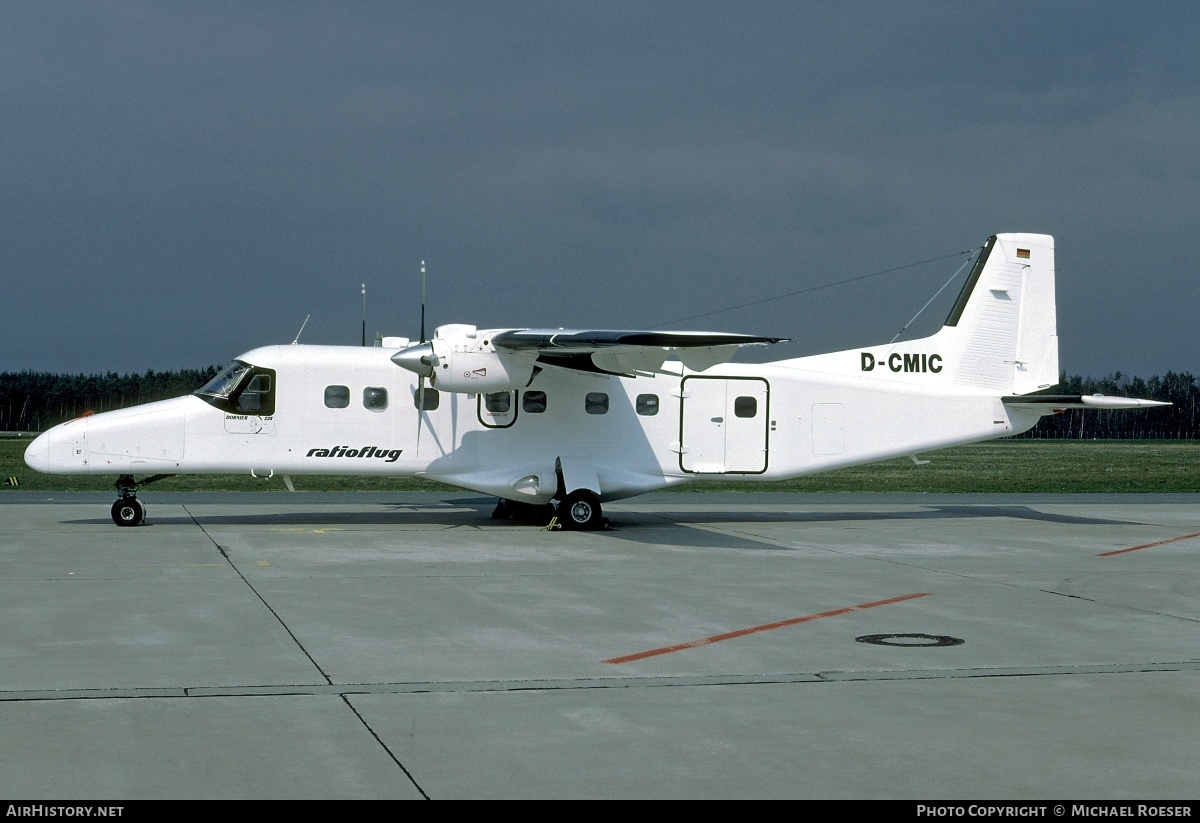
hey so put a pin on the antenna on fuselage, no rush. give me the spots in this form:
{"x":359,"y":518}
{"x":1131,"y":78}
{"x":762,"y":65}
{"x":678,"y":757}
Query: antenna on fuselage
{"x":302,"y":325}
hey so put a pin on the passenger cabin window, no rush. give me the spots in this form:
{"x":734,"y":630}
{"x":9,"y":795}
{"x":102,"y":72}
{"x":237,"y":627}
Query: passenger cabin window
{"x":375,"y":398}
{"x":241,"y":388}
{"x":596,"y":402}
{"x":497,"y":410}
{"x":497,"y":402}
{"x":533,"y":402}
{"x":745,"y":407}
{"x":337,"y":397}
{"x":429,"y":400}
{"x":647,"y":404}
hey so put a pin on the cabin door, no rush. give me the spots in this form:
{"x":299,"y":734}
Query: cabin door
{"x":724,"y":425}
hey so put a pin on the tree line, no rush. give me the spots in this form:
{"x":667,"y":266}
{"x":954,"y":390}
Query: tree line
{"x":1179,"y":421}
{"x":35,"y":401}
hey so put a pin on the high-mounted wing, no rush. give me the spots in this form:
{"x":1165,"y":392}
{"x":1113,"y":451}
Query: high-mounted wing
{"x":465,"y":359}
{"x":625,"y":352}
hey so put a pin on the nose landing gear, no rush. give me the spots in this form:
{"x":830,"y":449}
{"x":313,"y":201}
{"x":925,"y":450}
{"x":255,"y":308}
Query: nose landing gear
{"x":128,"y":510}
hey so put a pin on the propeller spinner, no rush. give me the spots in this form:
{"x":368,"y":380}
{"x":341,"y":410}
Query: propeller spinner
{"x":418,"y":359}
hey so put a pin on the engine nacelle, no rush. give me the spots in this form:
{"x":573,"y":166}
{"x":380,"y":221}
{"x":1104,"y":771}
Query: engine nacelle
{"x":481,"y":372}
{"x":462,"y":359}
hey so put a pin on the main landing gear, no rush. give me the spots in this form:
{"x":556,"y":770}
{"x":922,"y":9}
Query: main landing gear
{"x":128,"y":510}
{"x":579,"y":511}
{"x":521,"y":512}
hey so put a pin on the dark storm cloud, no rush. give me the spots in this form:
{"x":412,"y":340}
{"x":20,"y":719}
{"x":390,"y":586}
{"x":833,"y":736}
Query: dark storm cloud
{"x":184,"y":182}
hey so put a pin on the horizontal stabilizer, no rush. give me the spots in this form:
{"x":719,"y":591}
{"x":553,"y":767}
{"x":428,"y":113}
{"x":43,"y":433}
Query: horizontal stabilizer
{"x":1079,"y":401}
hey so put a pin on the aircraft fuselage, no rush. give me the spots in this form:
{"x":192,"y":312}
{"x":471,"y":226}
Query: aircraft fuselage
{"x":351,"y":410}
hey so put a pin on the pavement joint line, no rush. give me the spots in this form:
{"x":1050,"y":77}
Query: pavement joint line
{"x":225,"y":554}
{"x":465,"y":686}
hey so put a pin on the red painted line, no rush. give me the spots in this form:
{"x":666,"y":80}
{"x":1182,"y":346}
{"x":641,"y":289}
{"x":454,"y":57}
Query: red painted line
{"x":1148,"y":545}
{"x":716,"y":638}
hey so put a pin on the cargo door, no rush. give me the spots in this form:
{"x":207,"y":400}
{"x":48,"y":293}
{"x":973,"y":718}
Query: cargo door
{"x":723,"y":425}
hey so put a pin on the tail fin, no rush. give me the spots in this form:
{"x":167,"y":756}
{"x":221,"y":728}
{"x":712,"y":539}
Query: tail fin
{"x":1002,"y":333}
{"x":1001,"y":336}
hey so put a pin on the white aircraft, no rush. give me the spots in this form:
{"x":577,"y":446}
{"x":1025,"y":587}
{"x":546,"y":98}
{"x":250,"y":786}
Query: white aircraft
{"x":543,"y":416}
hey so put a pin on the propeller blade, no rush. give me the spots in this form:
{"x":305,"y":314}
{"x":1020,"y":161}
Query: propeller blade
{"x":420,"y":411}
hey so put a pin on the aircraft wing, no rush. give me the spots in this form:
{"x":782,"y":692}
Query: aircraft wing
{"x":625,"y":352}
{"x":1049,"y":403}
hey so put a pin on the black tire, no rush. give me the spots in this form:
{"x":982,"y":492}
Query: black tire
{"x":581,"y":511}
{"x":530,"y":513}
{"x":128,"y":511}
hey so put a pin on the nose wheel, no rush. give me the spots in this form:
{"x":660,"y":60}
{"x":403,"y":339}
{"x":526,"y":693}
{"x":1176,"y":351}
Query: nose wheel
{"x":128,"y":511}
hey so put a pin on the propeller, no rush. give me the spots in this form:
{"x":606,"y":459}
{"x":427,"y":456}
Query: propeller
{"x":420,"y":360}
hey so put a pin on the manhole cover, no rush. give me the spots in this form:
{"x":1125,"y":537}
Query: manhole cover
{"x":910,"y":640}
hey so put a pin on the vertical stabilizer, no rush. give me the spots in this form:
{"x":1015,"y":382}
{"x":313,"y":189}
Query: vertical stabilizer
{"x":1002,"y":332}
{"x":1001,"y":336}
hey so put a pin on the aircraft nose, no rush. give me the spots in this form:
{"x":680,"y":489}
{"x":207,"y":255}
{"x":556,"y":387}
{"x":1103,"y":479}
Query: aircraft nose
{"x":37,"y":456}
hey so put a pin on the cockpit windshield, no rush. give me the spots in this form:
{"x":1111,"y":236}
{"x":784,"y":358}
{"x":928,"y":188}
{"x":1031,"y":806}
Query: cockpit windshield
{"x":226,"y":382}
{"x":241,"y":388}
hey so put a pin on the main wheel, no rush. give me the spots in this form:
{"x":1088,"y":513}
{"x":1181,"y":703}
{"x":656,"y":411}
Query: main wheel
{"x":128,"y":511}
{"x":581,"y":510}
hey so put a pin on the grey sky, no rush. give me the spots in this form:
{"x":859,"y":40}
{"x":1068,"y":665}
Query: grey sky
{"x":181,"y":182}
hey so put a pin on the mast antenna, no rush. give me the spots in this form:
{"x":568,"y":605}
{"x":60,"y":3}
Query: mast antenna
{"x":302,"y":325}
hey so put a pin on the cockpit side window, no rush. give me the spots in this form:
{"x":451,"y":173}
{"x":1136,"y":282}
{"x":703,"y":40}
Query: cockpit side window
{"x":258,"y":395}
{"x":241,"y":388}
